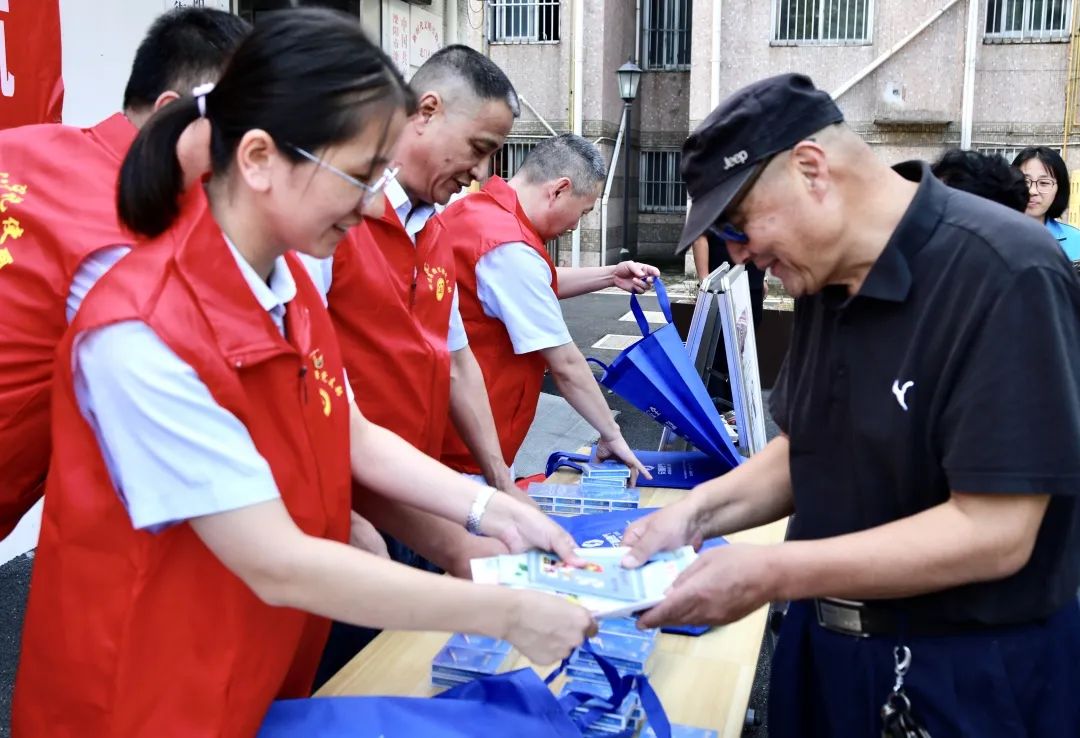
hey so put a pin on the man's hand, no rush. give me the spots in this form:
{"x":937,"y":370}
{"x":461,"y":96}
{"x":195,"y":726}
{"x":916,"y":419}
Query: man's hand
{"x":617,"y":448}
{"x":722,"y":586}
{"x":665,"y":530}
{"x":362,"y":535}
{"x":633,"y":276}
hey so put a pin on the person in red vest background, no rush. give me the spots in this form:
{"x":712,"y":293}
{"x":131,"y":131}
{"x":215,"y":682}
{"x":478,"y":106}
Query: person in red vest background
{"x":397,"y":317}
{"x":60,"y":232}
{"x":510,"y":292}
{"x":198,"y":499}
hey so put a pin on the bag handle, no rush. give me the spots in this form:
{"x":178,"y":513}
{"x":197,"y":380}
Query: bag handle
{"x":564,"y":458}
{"x":621,"y":686}
{"x":661,"y":297}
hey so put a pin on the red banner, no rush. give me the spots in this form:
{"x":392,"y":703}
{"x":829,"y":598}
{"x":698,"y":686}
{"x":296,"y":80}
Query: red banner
{"x":31,"y":86}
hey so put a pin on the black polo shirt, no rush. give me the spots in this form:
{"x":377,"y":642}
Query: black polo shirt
{"x":956,"y":366}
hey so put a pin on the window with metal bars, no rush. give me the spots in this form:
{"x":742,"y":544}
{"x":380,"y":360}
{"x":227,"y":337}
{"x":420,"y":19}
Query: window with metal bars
{"x":666,"y":34}
{"x":255,"y":10}
{"x":822,"y":21}
{"x":660,"y":183}
{"x":1008,"y":153}
{"x":506,"y":161}
{"x":1028,"y":20}
{"x":523,"y":21}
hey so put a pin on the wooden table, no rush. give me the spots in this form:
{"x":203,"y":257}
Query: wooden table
{"x":703,"y":681}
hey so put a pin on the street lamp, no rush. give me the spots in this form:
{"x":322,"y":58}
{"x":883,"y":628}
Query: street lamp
{"x":629,"y":75}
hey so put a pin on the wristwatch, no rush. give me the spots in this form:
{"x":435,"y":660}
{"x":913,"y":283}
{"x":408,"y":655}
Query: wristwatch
{"x":476,"y":512}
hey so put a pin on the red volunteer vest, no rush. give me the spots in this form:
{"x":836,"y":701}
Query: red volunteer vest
{"x":131,"y":633}
{"x":472,"y":227}
{"x":390,"y":302}
{"x":57,"y":206}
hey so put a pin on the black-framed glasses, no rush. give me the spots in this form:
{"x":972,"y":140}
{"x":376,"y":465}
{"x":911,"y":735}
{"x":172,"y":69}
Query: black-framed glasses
{"x":370,"y":191}
{"x":1042,"y":184}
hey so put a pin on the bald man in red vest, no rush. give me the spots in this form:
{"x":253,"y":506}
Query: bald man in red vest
{"x":60,"y":232}
{"x":510,"y":292}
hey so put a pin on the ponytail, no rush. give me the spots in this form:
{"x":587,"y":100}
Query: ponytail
{"x":151,"y":178}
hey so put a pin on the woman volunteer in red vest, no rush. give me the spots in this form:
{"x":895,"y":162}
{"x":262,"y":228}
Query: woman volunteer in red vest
{"x":198,"y":498}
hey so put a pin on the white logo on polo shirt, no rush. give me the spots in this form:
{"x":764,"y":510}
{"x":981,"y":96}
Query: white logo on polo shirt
{"x":901,"y":391}
{"x":735,"y":159}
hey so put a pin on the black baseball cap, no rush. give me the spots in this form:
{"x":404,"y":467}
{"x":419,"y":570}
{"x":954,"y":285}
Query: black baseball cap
{"x":733,"y":143}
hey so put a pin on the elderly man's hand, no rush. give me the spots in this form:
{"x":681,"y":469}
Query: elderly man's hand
{"x":633,"y":276}
{"x":724,"y":585}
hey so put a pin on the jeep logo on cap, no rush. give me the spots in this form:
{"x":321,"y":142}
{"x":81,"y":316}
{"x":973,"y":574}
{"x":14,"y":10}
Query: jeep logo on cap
{"x":735,"y":159}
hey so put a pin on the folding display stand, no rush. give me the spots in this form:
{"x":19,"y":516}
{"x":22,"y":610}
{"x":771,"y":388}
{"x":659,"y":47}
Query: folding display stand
{"x":723,"y":321}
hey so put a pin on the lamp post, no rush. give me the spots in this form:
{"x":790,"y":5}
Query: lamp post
{"x":629,"y":76}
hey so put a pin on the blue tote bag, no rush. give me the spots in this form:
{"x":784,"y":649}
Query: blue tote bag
{"x":517,"y":704}
{"x":656,"y":376}
{"x":670,"y":469}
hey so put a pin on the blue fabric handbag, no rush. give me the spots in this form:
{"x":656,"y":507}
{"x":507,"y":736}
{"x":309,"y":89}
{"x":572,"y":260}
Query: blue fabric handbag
{"x":517,"y":704}
{"x":656,"y":376}
{"x":670,"y":469}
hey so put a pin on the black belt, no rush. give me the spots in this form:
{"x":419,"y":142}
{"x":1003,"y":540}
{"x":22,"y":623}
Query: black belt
{"x":867,"y":619}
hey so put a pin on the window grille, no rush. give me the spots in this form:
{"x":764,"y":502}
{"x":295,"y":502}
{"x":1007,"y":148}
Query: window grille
{"x":255,"y":10}
{"x":523,"y":21}
{"x":660,"y":183}
{"x":1008,"y":153}
{"x":1028,"y":20}
{"x":506,"y":161}
{"x":666,"y":31}
{"x":822,"y":21}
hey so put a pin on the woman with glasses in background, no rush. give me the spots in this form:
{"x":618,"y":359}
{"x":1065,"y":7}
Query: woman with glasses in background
{"x":195,"y":531}
{"x":1047,"y":180}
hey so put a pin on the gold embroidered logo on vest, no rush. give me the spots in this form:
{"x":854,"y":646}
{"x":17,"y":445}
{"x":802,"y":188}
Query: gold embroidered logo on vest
{"x":438,"y":281}
{"x":323,"y":377}
{"x":10,"y":194}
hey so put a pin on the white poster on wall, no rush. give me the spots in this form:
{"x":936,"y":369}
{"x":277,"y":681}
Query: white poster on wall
{"x":426,"y":36}
{"x":397,"y":29}
{"x":737,"y":316}
{"x":212,"y":4}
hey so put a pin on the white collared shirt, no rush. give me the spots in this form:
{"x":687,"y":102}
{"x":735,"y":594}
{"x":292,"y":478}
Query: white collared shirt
{"x":172,"y":451}
{"x":413,"y":219}
{"x":513,"y":284}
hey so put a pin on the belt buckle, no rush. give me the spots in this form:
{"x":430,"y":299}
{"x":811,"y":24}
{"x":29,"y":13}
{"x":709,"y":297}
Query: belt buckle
{"x":842,"y":616}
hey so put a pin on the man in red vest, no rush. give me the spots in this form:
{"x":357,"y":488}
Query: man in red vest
{"x":59,"y":232}
{"x":510,"y":292}
{"x":392,"y":294}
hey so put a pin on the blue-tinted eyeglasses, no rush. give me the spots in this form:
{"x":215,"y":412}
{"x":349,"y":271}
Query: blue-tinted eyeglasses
{"x":370,"y":191}
{"x":724,"y":228}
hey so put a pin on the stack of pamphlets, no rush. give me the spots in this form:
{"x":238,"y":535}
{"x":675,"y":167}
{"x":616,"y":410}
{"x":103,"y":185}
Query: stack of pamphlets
{"x":602,"y":586}
{"x":681,"y":731}
{"x":629,"y":650}
{"x":602,"y":489}
{"x":466,"y":657}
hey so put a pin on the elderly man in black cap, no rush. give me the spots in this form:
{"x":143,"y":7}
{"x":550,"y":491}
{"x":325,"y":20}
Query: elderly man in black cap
{"x":930,"y":408}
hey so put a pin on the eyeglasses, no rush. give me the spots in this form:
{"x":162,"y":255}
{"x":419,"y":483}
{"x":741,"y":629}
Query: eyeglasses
{"x":1045,"y":184}
{"x":370,"y":191}
{"x":727,"y":230}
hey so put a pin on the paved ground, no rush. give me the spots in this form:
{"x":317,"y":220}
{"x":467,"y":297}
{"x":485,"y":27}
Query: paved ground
{"x":558,"y":427}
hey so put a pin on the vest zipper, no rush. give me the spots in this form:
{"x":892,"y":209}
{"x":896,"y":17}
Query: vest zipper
{"x":303,"y":383}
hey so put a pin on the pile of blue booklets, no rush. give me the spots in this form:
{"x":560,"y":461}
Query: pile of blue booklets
{"x":629,"y":650}
{"x":603,"y":488}
{"x":467,"y":657}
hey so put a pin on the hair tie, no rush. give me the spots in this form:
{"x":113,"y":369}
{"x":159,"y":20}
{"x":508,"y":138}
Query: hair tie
{"x":200,"y":94}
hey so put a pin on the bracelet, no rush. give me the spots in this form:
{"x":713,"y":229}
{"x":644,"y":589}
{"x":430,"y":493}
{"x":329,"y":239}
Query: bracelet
{"x":476,"y":512}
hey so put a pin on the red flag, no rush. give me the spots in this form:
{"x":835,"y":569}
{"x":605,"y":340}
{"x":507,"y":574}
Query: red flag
{"x":31,"y":86}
